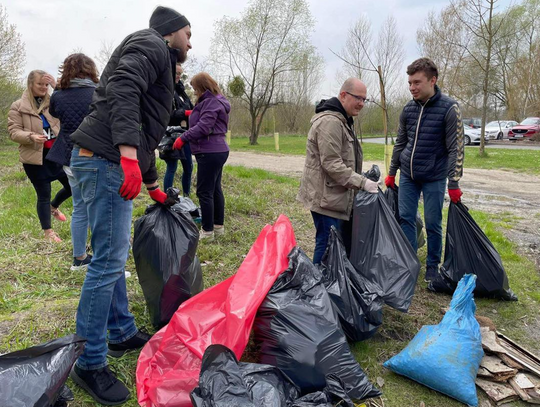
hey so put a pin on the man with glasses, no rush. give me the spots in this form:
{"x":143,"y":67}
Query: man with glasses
{"x":428,"y":150}
{"x":332,"y":171}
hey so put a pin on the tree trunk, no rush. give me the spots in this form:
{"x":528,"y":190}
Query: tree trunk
{"x":481,"y":151}
{"x":254,"y":135}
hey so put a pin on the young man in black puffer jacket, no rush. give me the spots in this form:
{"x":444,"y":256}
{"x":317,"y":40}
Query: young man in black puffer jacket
{"x":428,"y":151}
{"x":113,"y":155}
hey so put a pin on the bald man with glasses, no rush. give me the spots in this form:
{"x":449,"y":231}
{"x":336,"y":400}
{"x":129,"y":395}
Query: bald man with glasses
{"x":333,"y":168}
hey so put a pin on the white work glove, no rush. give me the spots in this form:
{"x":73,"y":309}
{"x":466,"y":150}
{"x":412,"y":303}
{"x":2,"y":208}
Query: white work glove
{"x":371,"y":186}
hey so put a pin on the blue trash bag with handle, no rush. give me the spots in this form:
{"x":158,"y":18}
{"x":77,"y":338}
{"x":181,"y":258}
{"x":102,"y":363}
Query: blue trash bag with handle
{"x":446,"y":357}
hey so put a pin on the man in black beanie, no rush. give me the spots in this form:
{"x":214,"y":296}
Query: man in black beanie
{"x":112,"y":157}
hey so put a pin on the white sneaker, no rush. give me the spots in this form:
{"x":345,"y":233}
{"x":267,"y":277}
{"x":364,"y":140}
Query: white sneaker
{"x":204,"y":235}
{"x":128,"y":274}
{"x":219,"y":230}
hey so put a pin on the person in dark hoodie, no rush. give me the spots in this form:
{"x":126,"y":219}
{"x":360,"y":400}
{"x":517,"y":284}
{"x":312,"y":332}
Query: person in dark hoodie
{"x":114,"y":153}
{"x":333,"y":166}
{"x":428,"y":151}
{"x":182,"y":108}
{"x":207,"y":127}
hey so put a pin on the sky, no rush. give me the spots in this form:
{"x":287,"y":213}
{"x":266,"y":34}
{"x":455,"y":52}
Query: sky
{"x":52,"y":29}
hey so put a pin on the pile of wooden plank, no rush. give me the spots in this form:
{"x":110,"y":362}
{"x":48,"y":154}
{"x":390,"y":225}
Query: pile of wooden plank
{"x":508,"y":372}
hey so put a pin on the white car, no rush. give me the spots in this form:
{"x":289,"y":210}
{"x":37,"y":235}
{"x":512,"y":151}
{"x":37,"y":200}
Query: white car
{"x":472,"y":136}
{"x":498,"y":129}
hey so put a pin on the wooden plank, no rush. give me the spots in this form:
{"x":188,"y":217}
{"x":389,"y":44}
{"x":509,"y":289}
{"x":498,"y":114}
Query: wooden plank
{"x":501,"y":372}
{"x":490,"y":342}
{"x":520,"y":392}
{"x":484,"y":373}
{"x":520,"y":354}
{"x":500,"y":393}
{"x":534,"y":395}
{"x":523,"y":381}
{"x":510,"y":362}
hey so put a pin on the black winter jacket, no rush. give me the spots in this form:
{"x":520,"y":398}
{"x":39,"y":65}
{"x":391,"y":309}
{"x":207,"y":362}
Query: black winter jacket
{"x":133,"y":101}
{"x":181,"y":104}
{"x":70,"y":106}
{"x":429,"y":145}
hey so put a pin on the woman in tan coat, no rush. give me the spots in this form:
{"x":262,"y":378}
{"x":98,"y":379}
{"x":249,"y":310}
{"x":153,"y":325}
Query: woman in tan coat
{"x":31,"y":125}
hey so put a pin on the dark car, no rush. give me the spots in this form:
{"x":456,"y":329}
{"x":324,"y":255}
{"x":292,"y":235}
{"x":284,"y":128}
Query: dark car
{"x":473,"y":122}
{"x":528,"y":128}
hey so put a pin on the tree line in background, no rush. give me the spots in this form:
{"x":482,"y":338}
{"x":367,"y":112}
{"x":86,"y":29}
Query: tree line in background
{"x":488,"y":59}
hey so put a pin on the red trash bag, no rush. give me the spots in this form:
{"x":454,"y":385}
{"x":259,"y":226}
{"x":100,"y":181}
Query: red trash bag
{"x":169,"y":364}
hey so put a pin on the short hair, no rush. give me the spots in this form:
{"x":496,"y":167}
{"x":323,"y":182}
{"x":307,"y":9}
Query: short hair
{"x":77,"y":66}
{"x":203,"y":82}
{"x":425,"y":65}
{"x":348,"y":85}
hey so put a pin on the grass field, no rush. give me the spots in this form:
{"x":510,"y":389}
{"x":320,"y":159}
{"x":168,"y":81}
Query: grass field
{"x":527,"y":161}
{"x":39,"y":294}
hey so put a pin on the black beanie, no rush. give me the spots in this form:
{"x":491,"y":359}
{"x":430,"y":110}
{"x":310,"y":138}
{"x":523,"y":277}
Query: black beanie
{"x":165,"y":20}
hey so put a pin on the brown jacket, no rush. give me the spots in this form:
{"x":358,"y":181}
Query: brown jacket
{"x":23,"y":121}
{"x":329,"y":180}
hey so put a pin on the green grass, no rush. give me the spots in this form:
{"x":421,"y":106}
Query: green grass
{"x":496,"y":158}
{"x":39,"y":294}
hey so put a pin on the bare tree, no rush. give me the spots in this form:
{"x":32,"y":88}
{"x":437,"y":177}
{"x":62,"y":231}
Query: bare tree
{"x":12,"y":53}
{"x":261,"y":46}
{"x":104,"y":54}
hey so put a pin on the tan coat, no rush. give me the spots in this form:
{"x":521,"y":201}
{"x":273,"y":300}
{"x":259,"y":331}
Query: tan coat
{"x":23,"y":121}
{"x":329,"y":181}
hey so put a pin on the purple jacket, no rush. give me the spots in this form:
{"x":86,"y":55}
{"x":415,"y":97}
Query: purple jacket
{"x":208,"y":124}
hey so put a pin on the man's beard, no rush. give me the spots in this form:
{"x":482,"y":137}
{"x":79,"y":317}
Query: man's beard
{"x":181,"y":55}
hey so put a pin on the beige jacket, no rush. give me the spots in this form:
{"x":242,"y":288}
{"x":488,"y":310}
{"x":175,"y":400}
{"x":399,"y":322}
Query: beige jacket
{"x":329,"y":180}
{"x":23,"y":121}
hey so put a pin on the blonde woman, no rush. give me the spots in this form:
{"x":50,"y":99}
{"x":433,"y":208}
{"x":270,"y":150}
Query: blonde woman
{"x":35,"y":130}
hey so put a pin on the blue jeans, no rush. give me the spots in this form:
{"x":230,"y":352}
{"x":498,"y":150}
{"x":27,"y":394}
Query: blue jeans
{"x":322,"y":233}
{"x":103,"y":305}
{"x":409,"y":195}
{"x":79,"y":217}
{"x":187,"y":166}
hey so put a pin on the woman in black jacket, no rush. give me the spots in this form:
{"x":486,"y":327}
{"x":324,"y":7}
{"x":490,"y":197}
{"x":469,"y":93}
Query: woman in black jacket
{"x":70,"y":103}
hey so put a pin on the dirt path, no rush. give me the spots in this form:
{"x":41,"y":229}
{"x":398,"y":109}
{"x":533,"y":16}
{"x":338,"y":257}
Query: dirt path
{"x":491,"y":191}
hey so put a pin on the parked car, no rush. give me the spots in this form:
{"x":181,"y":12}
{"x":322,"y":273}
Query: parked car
{"x":498,"y":129}
{"x":472,"y":136}
{"x":526,"y":129}
{"x":473,"y":122}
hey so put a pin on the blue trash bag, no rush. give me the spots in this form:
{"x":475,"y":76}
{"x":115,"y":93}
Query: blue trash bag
{"x":446,"y":357}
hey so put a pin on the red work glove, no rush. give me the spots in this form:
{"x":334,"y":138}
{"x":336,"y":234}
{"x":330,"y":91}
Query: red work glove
{"x":188,"y":112}
{"x":132,"y":178}
{"x":161,"y":197}
{"x":455,"y":195}
{"x":178,"y":144}
{"x":390,"y":181}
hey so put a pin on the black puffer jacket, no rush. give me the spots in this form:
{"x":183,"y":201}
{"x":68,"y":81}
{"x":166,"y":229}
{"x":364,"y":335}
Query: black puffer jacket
{"x":133,"y":101}
{"x":429,"y":145}
{"x":181,"y":104}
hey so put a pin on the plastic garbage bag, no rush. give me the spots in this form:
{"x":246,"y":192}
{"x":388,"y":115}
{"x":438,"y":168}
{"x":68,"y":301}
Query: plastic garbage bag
{"x":380,"y":252}
{"x":36,"y":376}
{"x":298,"y":331}
{"x":225,"y":382}
{"x":355,"y":300}
{"x":391,"y":195}
{"x":446,"y":357}
{"x":169,"y":364}
{"x":468,"y":250}
{"x":333,"y":394}
{"x":164,"y":246}
{"x":165,"y":146}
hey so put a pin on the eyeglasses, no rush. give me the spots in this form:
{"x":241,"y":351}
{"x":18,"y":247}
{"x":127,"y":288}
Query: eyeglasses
{"x":358,"y":98}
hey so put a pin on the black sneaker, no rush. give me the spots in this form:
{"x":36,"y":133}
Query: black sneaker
{"x":431,"y":273}
{"x":81,"y":265}
{"x":117,"y":350}
{"x":101,"y":384}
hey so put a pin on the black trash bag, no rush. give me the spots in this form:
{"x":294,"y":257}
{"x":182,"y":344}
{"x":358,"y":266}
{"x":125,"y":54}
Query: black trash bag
{"x":165,"y":146}
{"x":381,"y":253}
{"x":391,"y":195}
{"x":164,"y":246}
{"x":225,"y":382}
{"x":468,"y":250}
{"x":185,"y":204}
{"x":333,"y":395}
{"x":355,"y":300}
{"x":298,"y":331}
{"x":36,"y":376}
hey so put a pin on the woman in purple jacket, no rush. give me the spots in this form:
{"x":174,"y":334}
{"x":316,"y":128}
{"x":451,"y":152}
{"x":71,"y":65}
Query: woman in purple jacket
{"x":206,"y":135}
